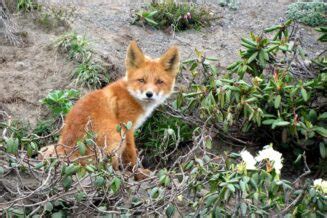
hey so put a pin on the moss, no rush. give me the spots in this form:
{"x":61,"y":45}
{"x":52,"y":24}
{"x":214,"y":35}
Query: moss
{"x":309,"y":13}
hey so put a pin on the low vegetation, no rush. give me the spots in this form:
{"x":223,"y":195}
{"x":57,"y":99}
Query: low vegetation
{"x":59,"y":102}
{"x":90,"y":74}
{"x":271,"y":100}
{"x":232,"y":4}
{"x":77,"y":47}
{"x":272,"y":104}
{"x":174,"y":16}
{"x":87,"y":73}
{"x":27,"y":5}
{"x":312,"y":13}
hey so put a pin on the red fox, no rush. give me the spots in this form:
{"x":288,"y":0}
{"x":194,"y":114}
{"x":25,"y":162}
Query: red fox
{"x":147,"y":83}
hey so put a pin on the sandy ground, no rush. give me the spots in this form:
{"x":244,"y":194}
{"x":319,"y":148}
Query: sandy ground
{"x":28,"y":73}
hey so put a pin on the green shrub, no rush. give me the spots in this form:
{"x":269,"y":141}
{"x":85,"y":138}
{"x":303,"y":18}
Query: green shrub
{"x":76,"y":46}
{"x":232,"y":4}
{"x":27,"y":5}
{"x":323,"y":36}
{"x":309,"y":13}
{"x":242,"y":191}
{"x":60,"y":101}
{"x":283,"y":108}
{"x":87,"y":73}
{"x":178,"y":16}
{"x":162,"y":133}
{"x":90,"y":74}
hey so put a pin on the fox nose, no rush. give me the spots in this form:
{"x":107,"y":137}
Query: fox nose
{"x":149,"y":94}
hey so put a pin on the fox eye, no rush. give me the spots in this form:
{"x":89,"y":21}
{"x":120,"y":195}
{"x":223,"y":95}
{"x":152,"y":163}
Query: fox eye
{"x":141,"y":80}
{"x":159,"y":81}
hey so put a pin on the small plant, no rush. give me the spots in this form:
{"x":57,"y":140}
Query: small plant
{"x":309,"y":13}
{"x":260,"y":51}
{"x":60,"y":101}
{"x":232,"y":4}
{"x":27,"y":5}
{"x":323,"y":36}
{"x":162,"y":134}
{"x":87,"y":73}
{"x":76,"y":46}
{"x":90,"y":74}
{"x":178,"y":16}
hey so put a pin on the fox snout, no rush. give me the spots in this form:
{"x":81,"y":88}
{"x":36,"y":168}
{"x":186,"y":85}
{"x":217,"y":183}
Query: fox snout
{"x":149,"y":94}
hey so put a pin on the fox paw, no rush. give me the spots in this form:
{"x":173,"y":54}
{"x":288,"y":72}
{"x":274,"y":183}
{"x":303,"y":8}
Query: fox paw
{"x":142,"y":174}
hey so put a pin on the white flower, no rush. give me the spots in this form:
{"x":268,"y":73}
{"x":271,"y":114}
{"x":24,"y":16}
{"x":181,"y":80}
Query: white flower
{"x":320,"y":185}
{"x":248,"y":159}
{"x":273,"y":156}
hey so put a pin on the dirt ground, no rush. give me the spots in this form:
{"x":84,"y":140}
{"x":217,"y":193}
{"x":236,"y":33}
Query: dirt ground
{"x":29,"y":73}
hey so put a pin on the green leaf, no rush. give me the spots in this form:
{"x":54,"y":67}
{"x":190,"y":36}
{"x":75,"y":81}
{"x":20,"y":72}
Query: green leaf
{"x":67,"y":182}
{"x":231,"y":187}
{"x":208,"y":143}
{"x":170,"y":211}
{"x":80,"y":196}
{"x":262,"y":59}
{"x":268,"y":122}
{"x":299,"y":157}
{"x":321,"y":130}
{"x":48,"y":206}
{"x":2,"y":171}
{"x":81,"y":148}
{"x":304,"y":94}
{"x":211,"y":200}
{"x":71,"y":169}
{"x":243,"y":208}
{"x":273,"y":28}
{"x":249,"y":42}
{"x":90,"y":168}
{"x":322,"y":148}
{"x":115,"y":184}
{"x":323,"y":116}
{"x":39,"y":165}
{"x":151,"y":14}
{"x":12,"y":145}
{"x":281,"y":123}
{"x":312,"y":115}
{"x":253,"y":56}
{"x":154,"y":193}
{"x":164,"y":180}
{"x":265,"y":55}
{"x":150,"y":21}
{"x":100,"y":181}
{"x":59,"y":214}
{"x":277,"y":101}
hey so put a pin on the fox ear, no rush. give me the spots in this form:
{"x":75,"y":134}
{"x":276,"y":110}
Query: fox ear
{"x":135,"y":57}
{"x":170,"y":60}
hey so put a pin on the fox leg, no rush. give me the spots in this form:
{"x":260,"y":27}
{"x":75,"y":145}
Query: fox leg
{"x":130,"y":157}
{"x":130,"y":151}
{"x":112,"y":146}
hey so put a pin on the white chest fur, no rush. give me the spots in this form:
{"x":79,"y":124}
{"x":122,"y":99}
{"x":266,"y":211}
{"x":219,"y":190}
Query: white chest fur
{"x":148,"y":109}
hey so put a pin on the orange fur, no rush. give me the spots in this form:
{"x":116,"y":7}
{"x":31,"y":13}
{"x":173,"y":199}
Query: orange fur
{"x":119,"y":102}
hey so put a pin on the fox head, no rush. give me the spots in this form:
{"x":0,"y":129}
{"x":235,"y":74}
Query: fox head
{"x":151,"y":81}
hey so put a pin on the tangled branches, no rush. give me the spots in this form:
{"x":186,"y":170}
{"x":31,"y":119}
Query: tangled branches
{"x":33,"y":187}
